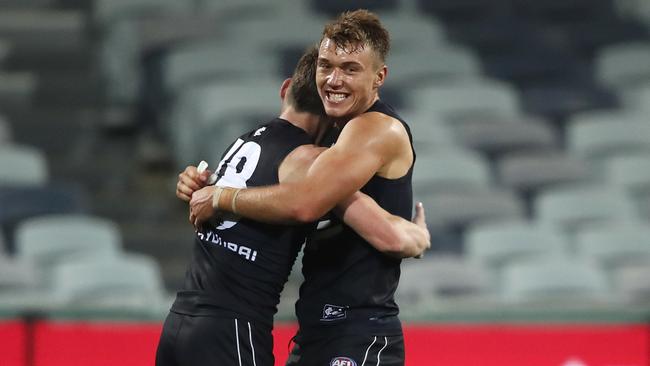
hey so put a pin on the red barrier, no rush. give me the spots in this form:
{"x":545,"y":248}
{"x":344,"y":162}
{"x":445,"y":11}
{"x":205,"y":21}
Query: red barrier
{"x":12,"y":343}
{"x":530,"y":345}
{"x":131,"y":344}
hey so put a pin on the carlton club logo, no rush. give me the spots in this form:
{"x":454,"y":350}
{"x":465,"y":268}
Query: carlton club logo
{"x":342,"y":361}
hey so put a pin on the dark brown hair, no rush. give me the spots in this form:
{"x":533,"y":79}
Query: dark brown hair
{"x":303,"y":92}
{"x":359,"y":28}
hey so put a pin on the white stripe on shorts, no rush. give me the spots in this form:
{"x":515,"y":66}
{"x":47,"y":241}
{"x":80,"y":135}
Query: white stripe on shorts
{"x":250,"y":337}
{"x":237,"y":337}
{"x":368,"y":349}
{"x":382,"y":348}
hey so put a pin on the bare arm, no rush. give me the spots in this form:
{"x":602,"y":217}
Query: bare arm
{"x":366,"y":145}
{"x":387,"y":233}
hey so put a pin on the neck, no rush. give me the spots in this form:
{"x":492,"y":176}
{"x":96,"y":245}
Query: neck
{"x":314,"y":125}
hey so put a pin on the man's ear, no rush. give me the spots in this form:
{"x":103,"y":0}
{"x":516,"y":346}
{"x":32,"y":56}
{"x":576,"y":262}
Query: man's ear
{"x":380,"y":76}
{"x":284,"y":88}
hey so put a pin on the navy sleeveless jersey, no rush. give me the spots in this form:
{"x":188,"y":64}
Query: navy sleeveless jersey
{"x":239,"y":266}
{"x":349,"y":286}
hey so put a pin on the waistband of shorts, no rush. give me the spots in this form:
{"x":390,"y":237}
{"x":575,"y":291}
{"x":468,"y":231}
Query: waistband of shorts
{"x":357,"y":321}
{"x":197,"y":303}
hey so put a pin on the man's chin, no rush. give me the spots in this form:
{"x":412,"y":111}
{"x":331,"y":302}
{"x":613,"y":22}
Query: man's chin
{"x":336,"y":112}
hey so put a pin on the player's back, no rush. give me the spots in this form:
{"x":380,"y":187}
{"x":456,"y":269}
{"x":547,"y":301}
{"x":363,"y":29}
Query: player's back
{"x":239,"y":266}
{"x":349,"y":286}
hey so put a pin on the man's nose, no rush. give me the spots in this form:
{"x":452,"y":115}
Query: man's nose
{"x":334,"y":78}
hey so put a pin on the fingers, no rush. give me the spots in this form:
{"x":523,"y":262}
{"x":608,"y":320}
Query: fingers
{"x":419,"y":218}
{"x":189,"y":181}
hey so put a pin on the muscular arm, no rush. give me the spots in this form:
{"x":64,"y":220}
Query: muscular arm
{"x":387,"y":233}
{"x":366,"y":145}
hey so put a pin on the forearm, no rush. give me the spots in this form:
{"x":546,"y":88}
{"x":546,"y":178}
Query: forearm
{"x":413,"y":239}
{"x":389,"y":234}
{"x":286,"y":203}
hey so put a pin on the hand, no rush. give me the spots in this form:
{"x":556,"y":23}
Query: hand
{"x":190,"y":181}
{"x":201,"y":209}
{"x":420,"y":220}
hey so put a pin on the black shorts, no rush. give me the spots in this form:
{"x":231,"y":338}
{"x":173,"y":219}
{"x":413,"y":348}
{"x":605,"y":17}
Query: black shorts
{"x":204,"y":340}
{"x":348,"y":350}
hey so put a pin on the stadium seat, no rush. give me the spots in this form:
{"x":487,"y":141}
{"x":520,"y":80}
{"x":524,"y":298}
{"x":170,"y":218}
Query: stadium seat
{"x":614,"y":245}
{"x":623,"y":65}
{"x":631,"y":283}
{"x":22,"y":166}
{"x":465,"y":98}
{"x":629,"y":171}
{"x":16,"y":274}
{"x":409,"y":30}
{"x":632,"y":174}
{"x":124,"y":282}
{"x":494,"y":136}
{"x":438,"y":280}
{"x":570,"y":207}
{"x":450,"y":170}
{"x":47,"y":241}
{"x":531,"y":171}
{"x":43,"y":29}
{"x":454,"y":211}
{"x":429,"y":132}
{"x":202,"y":61}
{"x":18,"y":204}
{"x":638,"y":99}
{"x":558,"y":102}
{"x":555,"y":281}
{"x":600,"y":134}
{"x":496,"y":244}
{"x":421,"y":65}
{"x":211,"y":105}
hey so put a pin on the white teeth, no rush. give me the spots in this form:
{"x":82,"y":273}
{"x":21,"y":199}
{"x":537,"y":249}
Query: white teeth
{"x":336,"y":97}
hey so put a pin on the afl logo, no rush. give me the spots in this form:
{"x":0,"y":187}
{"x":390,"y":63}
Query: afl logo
{"x":342,"y":361}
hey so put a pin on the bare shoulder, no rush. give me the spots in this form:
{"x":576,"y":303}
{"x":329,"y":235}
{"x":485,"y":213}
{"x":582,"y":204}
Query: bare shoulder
{"x":378,"y":125}
{"x":298,"y":161}
{"x":303,"y":154}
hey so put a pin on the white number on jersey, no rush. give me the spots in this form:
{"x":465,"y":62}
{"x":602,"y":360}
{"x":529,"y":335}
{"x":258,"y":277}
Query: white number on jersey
{"x":240,"y":164}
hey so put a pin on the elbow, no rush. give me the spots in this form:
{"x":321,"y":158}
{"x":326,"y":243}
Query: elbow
{"x":305,"y":214}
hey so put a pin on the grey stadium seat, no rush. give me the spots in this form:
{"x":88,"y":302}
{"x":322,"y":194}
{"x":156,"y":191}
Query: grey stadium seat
{"x":497,"y":244}
{"x":22,"y":166}
{"x":555,"y":281}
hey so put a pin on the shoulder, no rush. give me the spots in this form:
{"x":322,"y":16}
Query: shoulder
{"x":302,"y":155}
{"x":376,"y":125}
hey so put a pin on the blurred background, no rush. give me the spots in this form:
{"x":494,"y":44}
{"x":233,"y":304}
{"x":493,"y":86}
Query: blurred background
{"x":530,"y":120}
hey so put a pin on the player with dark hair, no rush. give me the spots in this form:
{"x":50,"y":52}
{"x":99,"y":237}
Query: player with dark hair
{"x":346,"y":310}
{"x":224,"y":314}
